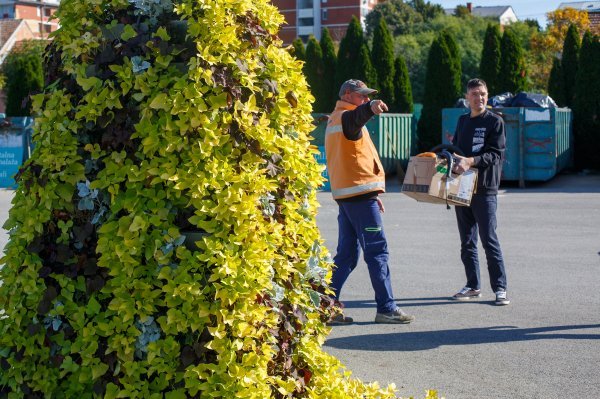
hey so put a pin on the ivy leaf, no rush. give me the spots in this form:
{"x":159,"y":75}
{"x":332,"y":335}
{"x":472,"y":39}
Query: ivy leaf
{"x":139,"y":64}
{"x":64,"y":191}
{"x":56,"y":323}
{"x":98,"y":370}
{"x":162,"y":33}
{"x":315,"y":297}
{"x":83,"y":189}
{"x":111,"y":391}
{"x":218,"y":101}
{"x":160,"y":102}
{"x":179,"y":240}
{"x":85,"y":204}
{"x":166,"y":249}
{"x":93,"y":307}
{"x":137,"y":224}
{"x":292,"y":99}
{"x":178,"y":394}
{"x":128,"y":33}
{"x":87,"y":83}
{"x":272,"y":169}
{"x":271,"y":86}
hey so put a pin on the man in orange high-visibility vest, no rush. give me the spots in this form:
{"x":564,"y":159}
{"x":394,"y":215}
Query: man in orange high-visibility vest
{"x":357,"y":178}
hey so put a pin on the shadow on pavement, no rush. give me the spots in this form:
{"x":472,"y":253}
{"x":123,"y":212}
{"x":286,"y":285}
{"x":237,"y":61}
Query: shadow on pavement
{"x":410,"y":302}
{"x":424,"y":340}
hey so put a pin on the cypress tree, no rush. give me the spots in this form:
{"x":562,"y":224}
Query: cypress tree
{"x":330,"y":92}
{"x":403,"y":99}
{"x":569,"y":64}
{"x":513,"y":72}
{"x":586,"y":109}
{"x":364,"y":68}
{"x":556,"y":88}
{"x":383,"y":61}
{"x":348,"y":54}
{"x":450,"y":40}
{"x":24,"y":76}
{"x":489,"y":68}
{"x":441,"y":91}
{"x":314,"y":73}
{"x":298,"y":50}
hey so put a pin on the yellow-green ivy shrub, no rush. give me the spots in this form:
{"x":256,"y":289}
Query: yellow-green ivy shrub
{"x":159,"y":120}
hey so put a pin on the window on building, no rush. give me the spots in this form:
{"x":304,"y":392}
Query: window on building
{"x":305,"y":4}
{"x":324,"y":14}
{"x":47,"y":12}
{"x":306,"y":21}
{"x":6,"y":11}
{"x":304,"y":38}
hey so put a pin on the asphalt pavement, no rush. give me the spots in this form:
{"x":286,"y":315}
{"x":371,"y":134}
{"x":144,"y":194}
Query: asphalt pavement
{"x":545,"y":344}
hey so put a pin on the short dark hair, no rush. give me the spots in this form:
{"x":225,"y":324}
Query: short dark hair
{"x":476,"y":82}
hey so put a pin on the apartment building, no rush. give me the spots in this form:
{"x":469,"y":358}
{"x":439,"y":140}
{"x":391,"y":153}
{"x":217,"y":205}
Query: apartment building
{"x":35,"y":13}
{"x":308,"y":17}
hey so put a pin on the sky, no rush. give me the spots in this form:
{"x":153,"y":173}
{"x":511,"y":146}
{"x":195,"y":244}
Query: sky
{"x":525,"y":9}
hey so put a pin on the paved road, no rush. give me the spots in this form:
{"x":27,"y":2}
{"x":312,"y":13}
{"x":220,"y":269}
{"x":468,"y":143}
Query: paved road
{"x":545,"y":344}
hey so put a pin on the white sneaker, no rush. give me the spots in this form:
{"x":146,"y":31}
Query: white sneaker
{"x":501,"y":298}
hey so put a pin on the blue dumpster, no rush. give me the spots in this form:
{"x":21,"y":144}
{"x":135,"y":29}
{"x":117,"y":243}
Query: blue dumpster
{"x":538,"y":141}
{"x":15,"y":144}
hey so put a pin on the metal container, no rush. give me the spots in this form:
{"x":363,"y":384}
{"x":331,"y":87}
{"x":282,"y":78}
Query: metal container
{"x":15,"y":147}
{"x":539,"y":141}
{"x":392,"y":134}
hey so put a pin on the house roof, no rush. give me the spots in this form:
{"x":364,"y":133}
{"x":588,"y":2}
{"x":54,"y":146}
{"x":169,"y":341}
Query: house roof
{"x":590,"y":6}
{"x":484,"y":11}
{"x":493,"y":11}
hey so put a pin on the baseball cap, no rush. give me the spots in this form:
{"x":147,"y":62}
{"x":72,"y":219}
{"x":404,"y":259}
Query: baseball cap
{"x":357,"y":86}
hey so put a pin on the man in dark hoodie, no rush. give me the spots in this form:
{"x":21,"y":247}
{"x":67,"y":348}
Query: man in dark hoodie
{"x":482,"y":138}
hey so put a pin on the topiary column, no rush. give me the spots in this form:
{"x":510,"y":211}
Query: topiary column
{"x":403,"y":99}
{"x":489,"y":67}
{"x":513,"y":70}
{"x":442,"y":88}
{"x":382,"y":56}
{"x":162,"y":238}
{"x":570,"y":63}
{"x":330,"y":92}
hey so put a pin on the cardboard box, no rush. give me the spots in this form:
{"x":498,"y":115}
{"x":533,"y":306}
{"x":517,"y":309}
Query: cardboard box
{"x":425,"y":180}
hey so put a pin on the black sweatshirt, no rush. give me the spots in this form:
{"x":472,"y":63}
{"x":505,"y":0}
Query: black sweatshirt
{"x":353,"y":121}
{"x":483,"y":138}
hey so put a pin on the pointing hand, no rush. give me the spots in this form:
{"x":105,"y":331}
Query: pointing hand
{"x":378,"y":107}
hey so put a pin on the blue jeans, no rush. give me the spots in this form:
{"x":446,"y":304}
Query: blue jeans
{"x":360,"y":226}
{"x":480,"y":218}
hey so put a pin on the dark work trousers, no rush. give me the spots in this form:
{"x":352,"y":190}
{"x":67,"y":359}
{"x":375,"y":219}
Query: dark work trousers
{"x":360,"y":226}
{"x":480,"y":217}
